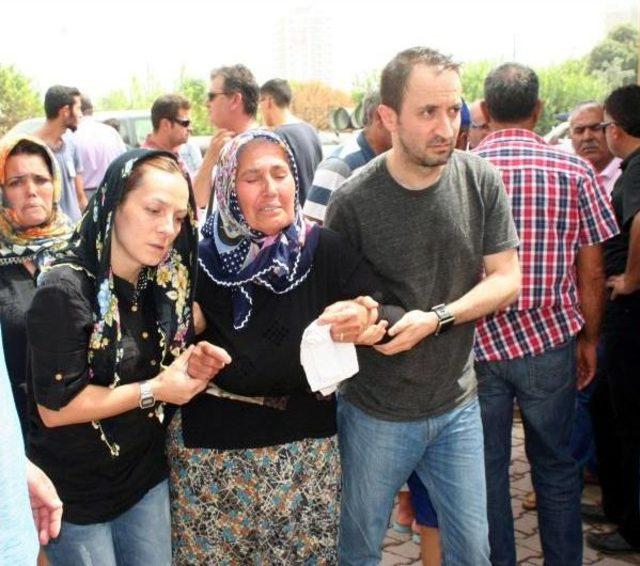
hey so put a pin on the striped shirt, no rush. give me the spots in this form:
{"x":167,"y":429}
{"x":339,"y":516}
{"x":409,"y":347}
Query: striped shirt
{"x":333,"y":171}
{"x":558,"y":207}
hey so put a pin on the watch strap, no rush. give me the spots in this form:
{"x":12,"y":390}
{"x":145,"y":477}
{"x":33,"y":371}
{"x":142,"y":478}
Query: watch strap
{"x":445,"y":318}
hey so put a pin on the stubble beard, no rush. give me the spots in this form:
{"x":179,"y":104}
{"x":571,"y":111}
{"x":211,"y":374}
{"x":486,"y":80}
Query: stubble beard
{"x":423,"y":160}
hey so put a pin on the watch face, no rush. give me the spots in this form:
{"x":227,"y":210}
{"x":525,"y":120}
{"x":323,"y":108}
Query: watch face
{"x":147,"y":402}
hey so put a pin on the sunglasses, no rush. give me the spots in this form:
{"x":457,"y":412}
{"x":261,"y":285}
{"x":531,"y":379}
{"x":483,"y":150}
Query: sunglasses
{"x":212,"y":95}
{"x":183,"y":123}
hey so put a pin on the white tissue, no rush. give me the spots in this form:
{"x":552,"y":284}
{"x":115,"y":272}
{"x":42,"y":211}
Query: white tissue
{"x":326,"y":363}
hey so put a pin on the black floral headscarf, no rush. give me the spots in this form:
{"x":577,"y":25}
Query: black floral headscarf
{"x":172,"y":281}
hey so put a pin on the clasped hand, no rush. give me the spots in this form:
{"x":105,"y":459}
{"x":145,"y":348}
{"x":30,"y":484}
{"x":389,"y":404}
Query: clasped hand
{"x":189,"y":374}
{"x":408,"y":331}
{"x":354,"y":321}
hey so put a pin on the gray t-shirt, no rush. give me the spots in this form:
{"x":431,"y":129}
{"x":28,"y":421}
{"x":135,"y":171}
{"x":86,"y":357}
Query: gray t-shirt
{"x":70,"y":165}
{"x":428,"y":247}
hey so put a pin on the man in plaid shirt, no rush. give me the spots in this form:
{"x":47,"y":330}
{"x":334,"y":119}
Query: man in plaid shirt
{"x":543,"y":346}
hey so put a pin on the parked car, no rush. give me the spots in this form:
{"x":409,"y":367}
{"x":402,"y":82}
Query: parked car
{"x":133,"y":125}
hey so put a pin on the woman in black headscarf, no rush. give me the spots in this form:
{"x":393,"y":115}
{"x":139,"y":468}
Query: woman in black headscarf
{"x":105,"y":320}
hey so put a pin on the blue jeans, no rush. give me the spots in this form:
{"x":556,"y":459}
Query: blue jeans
{"x":377,"y":458}
{"x":582,"y":439}
{"x":545,"y":387}
{"x":141,"y":535}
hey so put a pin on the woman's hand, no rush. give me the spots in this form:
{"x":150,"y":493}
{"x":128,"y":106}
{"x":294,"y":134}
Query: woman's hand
{"x":173,"y":385}
{"x":199,"y":321}
{"x":206,"y":361}
{"x":348,"y":319}
{"x":373,"y":334}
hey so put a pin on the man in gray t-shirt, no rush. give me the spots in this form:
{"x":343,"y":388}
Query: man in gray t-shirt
{"x":62,"y":108}
{"x":436,"y":226}
{"x":70,"y":168}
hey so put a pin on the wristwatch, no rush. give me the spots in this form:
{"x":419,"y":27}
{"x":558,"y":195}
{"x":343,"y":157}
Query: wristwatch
{"x":445,"y":318}
{"x":147,"y":400}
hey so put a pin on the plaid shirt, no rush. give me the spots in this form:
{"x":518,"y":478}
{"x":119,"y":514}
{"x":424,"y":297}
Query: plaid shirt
{"x":558,"y":207}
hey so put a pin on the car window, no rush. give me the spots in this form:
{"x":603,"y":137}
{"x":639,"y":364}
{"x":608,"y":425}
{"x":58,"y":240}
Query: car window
{"x":142,"y":127}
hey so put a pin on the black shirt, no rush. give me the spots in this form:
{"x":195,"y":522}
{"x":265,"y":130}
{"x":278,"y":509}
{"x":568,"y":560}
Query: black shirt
{"x":266,"y":355}
{"x":93,"y":485}
{"x":625,"y":198}
{"x":307,"y":152}
{"x":17,"y":288}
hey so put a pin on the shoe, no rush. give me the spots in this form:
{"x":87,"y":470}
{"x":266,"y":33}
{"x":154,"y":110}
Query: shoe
{"x":610,"y":543}
{"x":593,"y":512}
{"x":529,"y":502}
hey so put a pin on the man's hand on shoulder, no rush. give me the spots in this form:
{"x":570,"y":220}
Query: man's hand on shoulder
{"x":408,"y":331}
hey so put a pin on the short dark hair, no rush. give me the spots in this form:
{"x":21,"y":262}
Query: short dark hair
{"x":395,"y":75}
{"x":237,"y":78}
{"x":279,"y":90}
{"x":623,"y":105}
{"x":370,"y":103}
{"x":86,"y":105}
{"x":511,"y":92}
{"x":167,"y":107}
{"x":57,"y":97}
{"x":28,"y":147}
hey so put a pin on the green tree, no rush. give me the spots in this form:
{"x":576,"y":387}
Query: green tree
{"x":139,"y":94}
{"x":473,"y":75}
{"x":363,"y":84}
{"x":563,"y":86}
{"x":196,"y":91}
{"x":18,"y":98}
{"x":616,"y":56}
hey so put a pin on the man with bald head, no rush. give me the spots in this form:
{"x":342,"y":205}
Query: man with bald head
{"x":544,"y":346}
{"x":586,"y":130}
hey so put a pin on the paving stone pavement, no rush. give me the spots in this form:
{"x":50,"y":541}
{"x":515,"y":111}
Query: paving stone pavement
{"x":399,"y":550}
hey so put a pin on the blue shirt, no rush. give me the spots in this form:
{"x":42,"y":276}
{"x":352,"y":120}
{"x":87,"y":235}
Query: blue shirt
{"x":18,"y":538}
{"x":333,"y":171}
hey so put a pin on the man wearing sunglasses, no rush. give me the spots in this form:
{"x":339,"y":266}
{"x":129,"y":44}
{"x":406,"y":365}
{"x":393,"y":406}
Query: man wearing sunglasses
{"x":232,"y":102}
{"x":171,"y":121}
{"x":619,"y":463}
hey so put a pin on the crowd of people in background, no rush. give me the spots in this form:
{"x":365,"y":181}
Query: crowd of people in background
{"x":153,"y":302}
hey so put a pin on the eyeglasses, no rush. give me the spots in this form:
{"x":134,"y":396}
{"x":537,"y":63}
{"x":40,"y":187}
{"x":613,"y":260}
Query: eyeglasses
{"x":599,"y":127}
{"x":212,"y":95}
{"x":183,"y":123}
{"x":605,"y":125}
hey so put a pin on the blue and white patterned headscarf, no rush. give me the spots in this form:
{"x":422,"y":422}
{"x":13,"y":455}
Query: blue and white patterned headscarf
{"x":279,"y":262}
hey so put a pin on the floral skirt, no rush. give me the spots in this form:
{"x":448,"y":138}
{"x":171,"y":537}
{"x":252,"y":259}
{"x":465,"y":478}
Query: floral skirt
{"x":273,"y":505}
